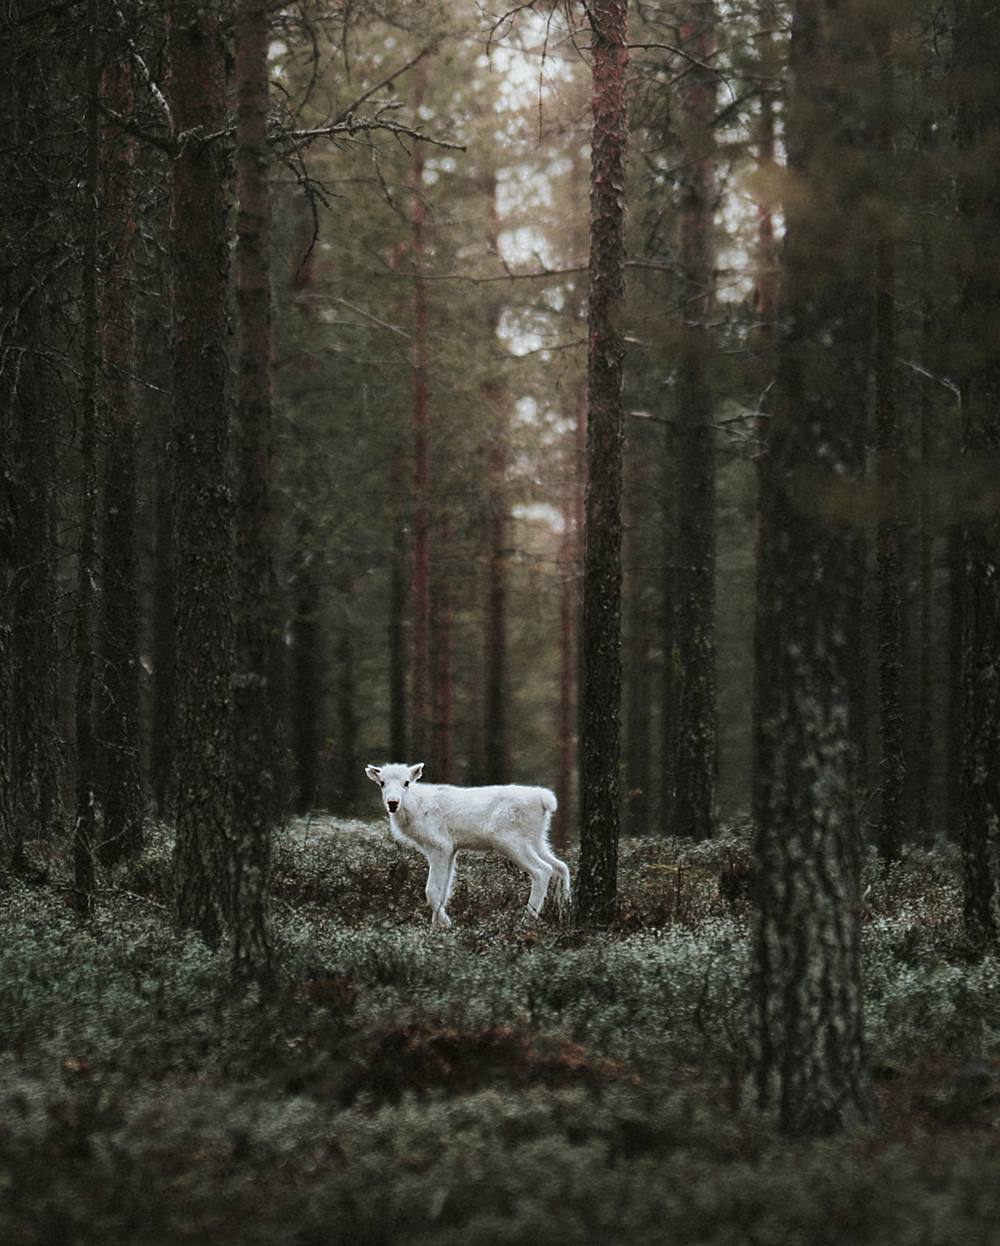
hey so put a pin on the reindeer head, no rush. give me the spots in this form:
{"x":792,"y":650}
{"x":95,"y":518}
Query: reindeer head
{"x":394,"y":780}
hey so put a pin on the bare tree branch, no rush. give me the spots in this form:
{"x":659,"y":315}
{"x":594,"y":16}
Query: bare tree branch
{"x":350,"y":126}
{"x":390,"y":78}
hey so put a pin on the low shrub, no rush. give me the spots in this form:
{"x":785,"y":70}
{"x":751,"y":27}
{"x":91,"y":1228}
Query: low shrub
{"x":503,"y":1081}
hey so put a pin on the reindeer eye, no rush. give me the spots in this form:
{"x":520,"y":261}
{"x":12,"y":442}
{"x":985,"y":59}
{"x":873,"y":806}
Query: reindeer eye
{"x":407,"y":783}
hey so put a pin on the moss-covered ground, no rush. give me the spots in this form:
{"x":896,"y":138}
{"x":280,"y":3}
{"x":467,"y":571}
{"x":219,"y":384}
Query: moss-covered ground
{"x":503,"y":1081}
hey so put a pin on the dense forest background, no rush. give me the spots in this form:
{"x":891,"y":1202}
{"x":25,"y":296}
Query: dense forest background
{"x":602,"y":396}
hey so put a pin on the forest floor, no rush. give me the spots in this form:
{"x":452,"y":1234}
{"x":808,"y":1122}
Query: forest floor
{"x":506,"y":1081}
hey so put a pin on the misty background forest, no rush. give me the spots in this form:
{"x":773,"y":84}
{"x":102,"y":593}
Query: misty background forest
{"x":597,"y":396}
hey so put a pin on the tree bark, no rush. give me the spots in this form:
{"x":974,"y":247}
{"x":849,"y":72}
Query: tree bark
{"x":497,"y":744}
{"x":84,"y":833}
{"x":442,"y":661}
{"x":30,"y":728}
{"x":638,"y":644}
{"x":204,"y":511}
{"x":163,"y":730}
{"x":977,"y":46}
{"x":570,"y":564}
{"x":889,"y":559}
{"x":696,"y":765}
{"x":398,"y":602}
{"x":494,"y":399}
{"x":256,"y":633}
{"x":600,"y":744}
{"x":925,"y":780}
{"x":892,"y":763}
{"x":398,"y":594}
{"x":30,"y":473}
{"x":118,"y":688}
{"x":668,"y":614}
{"x":348,"y":763}
{"x":307,"y":668}
{"x":807,"y":1009}
{"x":421,"y":710}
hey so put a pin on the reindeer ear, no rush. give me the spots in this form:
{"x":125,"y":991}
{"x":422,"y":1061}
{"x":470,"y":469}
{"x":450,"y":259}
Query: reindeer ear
{"x":416,"y":771}
{"x":374,"y":773}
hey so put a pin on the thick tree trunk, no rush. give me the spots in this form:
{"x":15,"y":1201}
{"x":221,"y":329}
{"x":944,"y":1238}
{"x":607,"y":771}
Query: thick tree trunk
{"x":205,"y":581}
{"x":85,"y":826}
{"x":10,"y":840}
{"x":977,"y":47}
{"x":807,"y":1011}
{"x":600,"y":744}
{"x":15,"y":109}
{"x":256,"y":633}
{"x":29,"y":762}
{"x":696,"y":766}
{"x":118,"y":691}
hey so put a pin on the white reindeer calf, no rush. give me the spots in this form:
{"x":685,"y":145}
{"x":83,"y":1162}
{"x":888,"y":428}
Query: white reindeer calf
{"x":441,"y":821}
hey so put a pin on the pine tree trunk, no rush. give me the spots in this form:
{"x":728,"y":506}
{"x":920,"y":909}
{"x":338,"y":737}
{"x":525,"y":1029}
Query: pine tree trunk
{"x":307,"y":668}
{"x":34,"y":713}
{"x":668,"y":613}
{"x":118,"y":691}
{"x":442,"y":662}
{"x":398,"y":602}
{"x":348,"y":763}
{"x":954,"y":756}
{"x":497,"y":748}
{"x":85,"y":827}
{"x":399,"y":576}
{"x":163,"y":731}
{"x":638,"y":642}
{"x":889,"y":572}
{"x":256,"y":633}
{"x":600,"y":744}
{"x":566,"y":724}
{"x":15,"y":105}
{"x":205,"y":581}
{"x":494,"y":400}
{"x":570,"y":567}
{"x":807,"y":1008}
{"x":421,"y":710}
{"x":977,"y":47}
{"x":925,"y":793}
{"x":766,"y":262}
{"x":10,"y":841}
{"x":696,"y":766}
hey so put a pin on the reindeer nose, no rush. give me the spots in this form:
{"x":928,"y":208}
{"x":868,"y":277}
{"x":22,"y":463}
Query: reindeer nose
{"x":393,"y":805}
